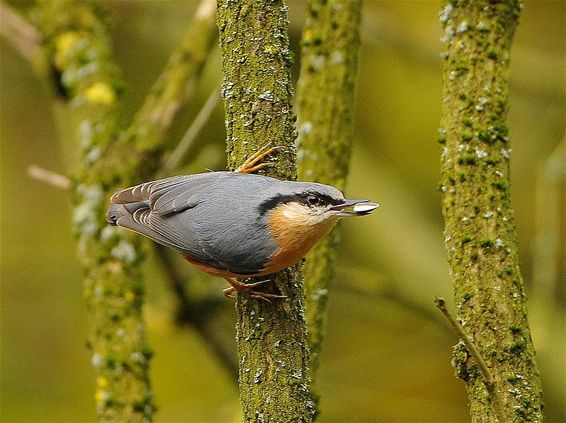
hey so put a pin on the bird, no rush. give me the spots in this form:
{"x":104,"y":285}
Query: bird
{"x":235,"y":225}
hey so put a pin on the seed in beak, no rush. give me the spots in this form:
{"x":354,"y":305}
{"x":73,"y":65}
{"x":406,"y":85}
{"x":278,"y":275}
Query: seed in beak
{"x":355,"y":207}
{"x":365,"y":207}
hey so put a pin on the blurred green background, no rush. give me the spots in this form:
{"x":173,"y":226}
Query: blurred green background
{"x":387,"y":353}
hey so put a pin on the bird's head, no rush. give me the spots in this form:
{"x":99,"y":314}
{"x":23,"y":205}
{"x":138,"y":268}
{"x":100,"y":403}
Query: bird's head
{"x":311,"y":204}
{"x":300,"y":214}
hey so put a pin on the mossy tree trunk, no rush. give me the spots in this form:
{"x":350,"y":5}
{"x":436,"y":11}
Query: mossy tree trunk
{"x":325,"y":109}
{"x":272,"y":342}
{"x":480,"y":234}
{"x":88,"y":82}
{"x":77,"y":40}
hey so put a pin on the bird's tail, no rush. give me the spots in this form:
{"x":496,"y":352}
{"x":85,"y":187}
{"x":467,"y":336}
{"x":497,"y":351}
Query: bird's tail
{"x":115,"y":212}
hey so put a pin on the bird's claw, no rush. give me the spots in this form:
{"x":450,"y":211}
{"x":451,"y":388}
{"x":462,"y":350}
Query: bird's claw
{"x":247,"y":289}
{"x":253,"y":163}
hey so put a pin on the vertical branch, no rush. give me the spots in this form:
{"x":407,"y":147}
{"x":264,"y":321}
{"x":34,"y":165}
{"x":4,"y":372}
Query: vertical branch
{"x":480,"y":233}
{"x":272,"y":343}
{"x":330,"y":46}
{"x":88,"y":81}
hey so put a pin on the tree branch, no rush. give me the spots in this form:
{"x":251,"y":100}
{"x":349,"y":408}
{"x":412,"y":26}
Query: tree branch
{"x":77,"y":39}
{"x":272,"y":342}
{"x":24,"y":36}
{"x":49,"y":177}
{"x":170,"y":92}
{"x":176,"y":156}
{"x":330,"y":44}
{"x":480,"y":236}
{"x":488,"y":380}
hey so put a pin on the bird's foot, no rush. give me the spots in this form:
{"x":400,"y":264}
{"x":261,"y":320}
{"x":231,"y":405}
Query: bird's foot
{"x":254,"y":162}
{"x":248,"y":289}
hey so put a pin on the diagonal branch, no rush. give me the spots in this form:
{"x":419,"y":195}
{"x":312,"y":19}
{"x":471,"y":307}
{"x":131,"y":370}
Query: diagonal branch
{"x":488,"y":380}
{"x":192,"y":133}
{"x":171,"y":91}
{"x":49,"y":177}
{"x":23,"y":35}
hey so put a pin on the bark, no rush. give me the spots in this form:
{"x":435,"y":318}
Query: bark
{"x":89,"y":84}
{"x":76,"y":42}
{"x":330,"y":45}
{"x":272,"y":343}
{"x":480,"y":233}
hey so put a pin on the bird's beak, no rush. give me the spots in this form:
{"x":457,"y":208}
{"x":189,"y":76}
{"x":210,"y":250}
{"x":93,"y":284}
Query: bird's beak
{"x":354,"y":207}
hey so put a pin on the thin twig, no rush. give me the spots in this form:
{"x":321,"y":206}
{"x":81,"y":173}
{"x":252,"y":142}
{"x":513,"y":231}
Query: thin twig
{"x":49,"y":177}
{"x":488,"y":380}
{"x":179,"y":152}
{"x":23,"y":35}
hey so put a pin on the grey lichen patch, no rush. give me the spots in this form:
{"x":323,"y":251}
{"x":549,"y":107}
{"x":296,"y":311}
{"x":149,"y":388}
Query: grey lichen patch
{"x":86,"y":218}
{"x":444,"y":15}
{"x":460,"y":360}
{"x":125,"y":252}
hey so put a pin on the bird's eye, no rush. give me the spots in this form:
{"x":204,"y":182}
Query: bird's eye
{"x":312,"y":200}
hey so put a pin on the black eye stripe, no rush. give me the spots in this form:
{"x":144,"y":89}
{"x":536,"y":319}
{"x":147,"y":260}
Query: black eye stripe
{"x":321,"y":199}
{"x":313,"y":199}
{"x":273,"y":202}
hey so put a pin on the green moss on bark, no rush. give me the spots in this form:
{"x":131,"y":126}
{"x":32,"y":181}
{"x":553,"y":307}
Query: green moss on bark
{"x":480,"y":232}
{"x":89,"y":83}
{"x":325,"y":108}
{"x":272,"y":342}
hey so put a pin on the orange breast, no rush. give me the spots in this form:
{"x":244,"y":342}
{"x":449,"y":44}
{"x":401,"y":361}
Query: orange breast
{"x":206,"y":268}
{"x":294,"y":238}
{"x":294,"y":234}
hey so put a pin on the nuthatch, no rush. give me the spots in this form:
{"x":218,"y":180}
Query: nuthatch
{"x":231,"y":224}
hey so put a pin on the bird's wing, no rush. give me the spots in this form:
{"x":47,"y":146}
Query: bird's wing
{"x":162,"y":211}
{"x":169,"y":195}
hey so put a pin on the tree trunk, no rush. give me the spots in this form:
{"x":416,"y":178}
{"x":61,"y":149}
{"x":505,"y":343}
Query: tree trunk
{"x":329,"y":64}
{"x":272,"y":342}
{"x":88,"y":82}
{"x":480,"y":234}
{"x":76,"y":39}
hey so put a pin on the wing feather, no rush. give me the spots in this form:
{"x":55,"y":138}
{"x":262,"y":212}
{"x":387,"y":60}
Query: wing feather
{"x":154,"y":209}
{"x":173,"y":212}
{"x":136,"y":222}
